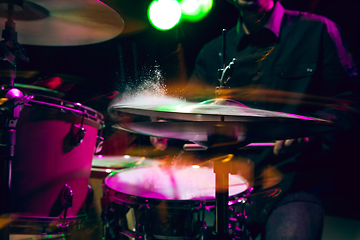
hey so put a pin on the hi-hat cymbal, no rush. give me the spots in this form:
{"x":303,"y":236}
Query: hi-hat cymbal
{"x":211,"y":110}
{"x":209,"y":123}
{"x":64,"y":23}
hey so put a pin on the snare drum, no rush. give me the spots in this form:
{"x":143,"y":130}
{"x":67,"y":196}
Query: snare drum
{"x":55,"y":144}
{"x":167,"y":202}
{"x":102,"y":166}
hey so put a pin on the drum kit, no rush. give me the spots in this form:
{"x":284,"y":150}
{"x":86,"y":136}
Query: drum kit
{"x":48,"y":144}
{"x":217,"y":126}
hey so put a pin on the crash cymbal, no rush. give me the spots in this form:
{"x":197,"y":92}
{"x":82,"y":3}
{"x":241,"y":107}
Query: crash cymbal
{"x":208,"y":123}
{"x":249,"y":130}
{"x":64,"y":23}
{"x":211,"y":110}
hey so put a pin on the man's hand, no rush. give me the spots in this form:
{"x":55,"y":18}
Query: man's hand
{"x":159,"y":143}
{"x":290,"y":145}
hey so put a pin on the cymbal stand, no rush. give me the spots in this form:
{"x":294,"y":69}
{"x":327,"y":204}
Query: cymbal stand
{"x":222,"y":170}
{"x":10,"y":52}
{"x":225,"y":72}
{"x":223,"y":166}
{"x":9,"y":115}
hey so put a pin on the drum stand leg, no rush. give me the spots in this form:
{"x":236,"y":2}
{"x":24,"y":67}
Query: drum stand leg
{"x":222,"y":171}
{"x":10,"y":112}
{"x":12,"y":52}
{"x":5,"y":197}
{"x":6,"y":155}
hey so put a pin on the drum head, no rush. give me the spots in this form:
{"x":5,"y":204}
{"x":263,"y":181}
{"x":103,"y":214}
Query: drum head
{"x":171,"y":183}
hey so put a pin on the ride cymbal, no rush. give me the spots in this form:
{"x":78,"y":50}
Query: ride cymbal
{"x":64,"y":23}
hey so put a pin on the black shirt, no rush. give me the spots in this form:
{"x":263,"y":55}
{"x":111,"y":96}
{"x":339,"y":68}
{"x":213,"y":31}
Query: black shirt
{"x":298,"y":63}
{"x":295,"y":52}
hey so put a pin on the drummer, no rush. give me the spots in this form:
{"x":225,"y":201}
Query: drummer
{"x":278,"y":52}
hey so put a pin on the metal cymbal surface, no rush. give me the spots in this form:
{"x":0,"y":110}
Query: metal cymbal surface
{"x":211,"y":110}
{"x":64,"y":23}
{"x":207,"y":124}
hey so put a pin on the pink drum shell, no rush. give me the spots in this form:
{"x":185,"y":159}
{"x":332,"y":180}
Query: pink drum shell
{"x":45,"y":161}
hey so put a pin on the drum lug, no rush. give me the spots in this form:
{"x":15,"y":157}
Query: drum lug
{"x":80,"y":134}
{"x":66,"y":201}
{"x":66,"y":198}
{"x":99,"y":144}
{"x":99,"y":140}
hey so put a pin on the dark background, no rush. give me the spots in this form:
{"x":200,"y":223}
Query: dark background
{"x":103,"y":67}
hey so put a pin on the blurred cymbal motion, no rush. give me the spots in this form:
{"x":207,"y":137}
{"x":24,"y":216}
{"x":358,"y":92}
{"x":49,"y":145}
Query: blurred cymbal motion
{"x":200,"y":91}
{"x":135,"y":18}
{"x":64,"y":23}
{"x":210,"y":123}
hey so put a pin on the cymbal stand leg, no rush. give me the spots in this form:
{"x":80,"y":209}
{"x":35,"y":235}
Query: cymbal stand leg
{"x":5,"y":196}
{"x":222,"y":171}
{"x":9,"y":115}
{"x":10,"y":50}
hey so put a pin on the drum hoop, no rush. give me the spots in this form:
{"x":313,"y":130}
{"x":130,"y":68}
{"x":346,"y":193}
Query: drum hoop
{"x":124,"y":198}
{"x":21,"y":224}
{"x":74,"y":107}
{"x":115,"y":168}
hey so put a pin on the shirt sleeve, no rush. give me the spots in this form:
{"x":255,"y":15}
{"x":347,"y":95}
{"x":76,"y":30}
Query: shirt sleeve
{"x":341,"y":82}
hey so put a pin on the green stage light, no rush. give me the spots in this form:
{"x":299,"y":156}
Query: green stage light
{"x":195,"y":10}
{"x":164,"y":14}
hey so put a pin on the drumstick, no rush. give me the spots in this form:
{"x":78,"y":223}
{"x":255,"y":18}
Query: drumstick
{"x":225,"y":158}
{"x":197,"y":147}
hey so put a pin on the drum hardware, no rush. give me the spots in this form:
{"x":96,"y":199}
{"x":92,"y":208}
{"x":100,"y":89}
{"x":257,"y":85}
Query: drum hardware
{"x":11,"y":53}
{"x":225,"y":77}
{"x":223,"y":57}
{"x":80,"y":131}
{"x":11,"y":50}
{"x":10,"y":111}
{"x":223,"y":166}
{"x":225,"y":72}
{"x":99,"y":140}
{"x":66,"y":201}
